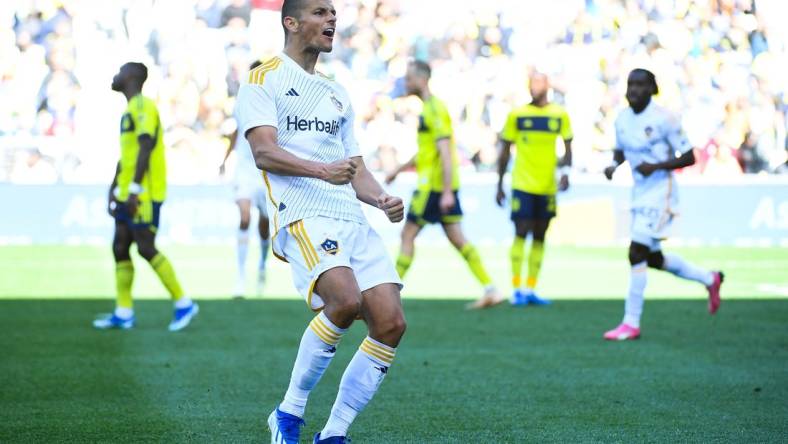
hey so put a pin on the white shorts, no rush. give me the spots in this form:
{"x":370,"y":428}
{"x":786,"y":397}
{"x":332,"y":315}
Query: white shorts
{"x":247,"y":188}
{"x":317,"y":244}
{"x":650,"y":226}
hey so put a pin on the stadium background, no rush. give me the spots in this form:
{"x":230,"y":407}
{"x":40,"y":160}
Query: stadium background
{"x":720,"y":64}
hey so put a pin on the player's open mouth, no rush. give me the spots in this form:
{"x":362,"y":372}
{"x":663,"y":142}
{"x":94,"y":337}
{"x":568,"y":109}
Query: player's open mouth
{"x":329,"y":32}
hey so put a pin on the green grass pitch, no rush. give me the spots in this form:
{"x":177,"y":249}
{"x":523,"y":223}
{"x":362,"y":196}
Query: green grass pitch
{"x":500,"y":375}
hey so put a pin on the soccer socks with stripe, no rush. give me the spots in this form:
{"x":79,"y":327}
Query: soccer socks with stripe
{"x":318,"y":346}
{"x":360,"y":381}
{"x":676,"y":265}
{"x":471,"y":256}
{"x":403,"y":263}
{"x":516,"y":256}
{"x":534,"y":263}
{"x":633,"y":307}
{"x":124,"y":277}
{"x":166,"y":273}
{"x":241,"y":253}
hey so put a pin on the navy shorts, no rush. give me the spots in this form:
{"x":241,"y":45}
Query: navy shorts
{"x":147,"y":215}
{"x":532,"y":206}
{"x":425,"y":209}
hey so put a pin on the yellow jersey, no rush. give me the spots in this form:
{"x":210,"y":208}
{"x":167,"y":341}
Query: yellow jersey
{"x":434,"y":125}
{"x":534,"y":131}
{"x":141,"y":117}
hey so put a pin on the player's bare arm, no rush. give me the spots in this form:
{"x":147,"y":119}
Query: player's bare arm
{"x":143,"y":160}
{"x":565,"y":165}
{"x":111,"y":201}
{"x":393,"y":175}
{"x":369,"y":191}
{"x":447,"y":196}
{"x":685,"y":160}
{"x":503,"y":161}
{"x":618,"y":159}
{"x":270,"y":157}
{"x":230,"y":149}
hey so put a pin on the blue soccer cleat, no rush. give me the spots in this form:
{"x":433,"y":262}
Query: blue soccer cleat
{"x":183,"y":316}
{"x":532,"y":299}
{"x":285,"y":428}
{"x":331,"y":440}
{"x":111,"y":321}
{"x":518,"y":299}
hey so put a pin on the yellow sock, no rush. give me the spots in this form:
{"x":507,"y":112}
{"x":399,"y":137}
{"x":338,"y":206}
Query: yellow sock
{"x":534,"y":263}
{"x":403,"y":263}
{"x":124,"y":277}
{"x":516,"y":256}
{"x":166,"y":273}
{"x":474,"y":261}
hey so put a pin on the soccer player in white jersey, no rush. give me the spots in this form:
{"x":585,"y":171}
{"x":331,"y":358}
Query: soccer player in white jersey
{"x":300,"y":127}
{"x":652,"y":141}
{"x":249,"y":189}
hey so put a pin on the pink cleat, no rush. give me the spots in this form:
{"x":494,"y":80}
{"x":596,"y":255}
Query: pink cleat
{"x":714,"y":292}
{"x":623,"y":332}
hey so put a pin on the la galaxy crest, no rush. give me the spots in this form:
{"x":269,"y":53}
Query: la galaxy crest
{"x":330,"y":246}
{"x":648,"y":131}
{"x":337,"y":103}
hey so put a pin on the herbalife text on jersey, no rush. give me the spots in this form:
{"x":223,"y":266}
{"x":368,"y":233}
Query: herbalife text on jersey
{"x":294,"y":123}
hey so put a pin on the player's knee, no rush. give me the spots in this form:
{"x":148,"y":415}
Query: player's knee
{"x":391,"y":330}
{"x":120,"y":251}
{"x":244,"y":223}
{"x":398,"y":325}
{"x":347,"y":308}
{"x":656,"y":260}
{"x":147,"y":251}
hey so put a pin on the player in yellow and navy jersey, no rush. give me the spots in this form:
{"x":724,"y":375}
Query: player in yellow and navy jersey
{"x":436,"y":197}
{"x":135,"y":198}
{"x":533,"y":129}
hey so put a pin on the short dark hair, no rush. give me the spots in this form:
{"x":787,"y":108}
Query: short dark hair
{"x":650,"y":76}
{"x":291,"y":8}
{"x":255,"y":64}
{"x":422,"y":68}
{"x":139,"y":70}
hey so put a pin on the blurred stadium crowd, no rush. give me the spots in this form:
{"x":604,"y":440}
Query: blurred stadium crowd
{"x":721,"y":64}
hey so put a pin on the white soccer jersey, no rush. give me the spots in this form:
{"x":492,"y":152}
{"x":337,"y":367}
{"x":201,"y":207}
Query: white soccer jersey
{"x":314,"y":121}
{"x":652,"y":136}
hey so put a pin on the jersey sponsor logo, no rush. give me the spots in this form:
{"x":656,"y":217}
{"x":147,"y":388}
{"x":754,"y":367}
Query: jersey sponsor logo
{"x":336,"y":103}
{"x":292,"y":93}
{"x":330,"y":246}
{"x":538,"y":123}
{"x":126,"y":123}
{"x":296,"y":124}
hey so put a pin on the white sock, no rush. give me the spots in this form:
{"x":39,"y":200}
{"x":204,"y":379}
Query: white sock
{"x":265,"y":245}
{"x":183,"y":302}
{"x":243,"y":249}
{"x":683,"y":269}
{"x":360,"y":381}
{"x":124,"y":313}
{"x":633,"y":307}
{"x":318,"y":346}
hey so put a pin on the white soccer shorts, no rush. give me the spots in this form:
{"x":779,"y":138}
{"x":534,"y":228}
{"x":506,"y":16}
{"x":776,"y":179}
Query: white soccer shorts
{"x":252,"y":189}
{"x":650,"y":226}
{"x":317,"y":244}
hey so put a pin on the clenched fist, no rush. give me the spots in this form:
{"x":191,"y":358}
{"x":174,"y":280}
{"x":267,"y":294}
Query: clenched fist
{"x":392,"y":206}
{"x":340,"y":172}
